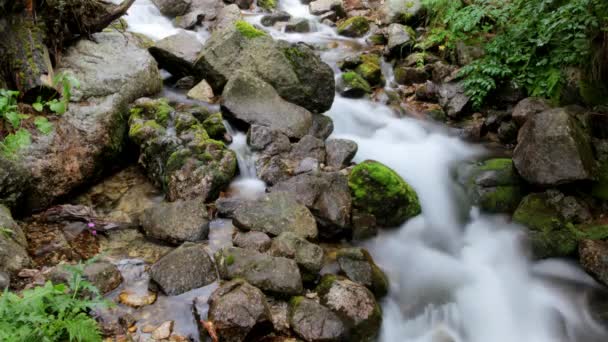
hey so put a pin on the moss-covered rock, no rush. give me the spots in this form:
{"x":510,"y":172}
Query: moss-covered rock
{"x":370,"y":69}
{"x":248,"y":30}
{"x":177,"y":152}
{"x":380,"y":191}
{"x":354,"y":27}
{"x":353,"y":85}
{"x":494,"y":185}
{"x":214,"y":125}
{"x":357,"y":264}
{"x":268,"y":5}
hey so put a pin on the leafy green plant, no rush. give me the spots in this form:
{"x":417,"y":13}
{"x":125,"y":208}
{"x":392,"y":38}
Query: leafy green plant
{"x":53,"y":312}
{"x":65,"y":83}
{"x":527,"y":42}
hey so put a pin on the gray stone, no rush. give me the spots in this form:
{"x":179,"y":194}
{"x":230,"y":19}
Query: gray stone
{"x":319,"y":7}
{"x":553,"y":149}
{"x":466,"y":54}
{"x":313,"y":322}
{"x":322,"y":126}
{"x":340,"y":152}
{"x":185,"y":268}
{"x":308,"y":255}
{"x":358,"y":265}
{"x":528,"y":107}
{"x":399,"y":36}
{"x":13,"y":253}
{"x":273,"y":214}
{"x":276,"y":17}
{"x":103,"y":275}
{"x":236,"y":308}
{"x":453,"y":99}
{"x":262,"y":138}
{"x":93,"y":129}
{"x":190,"y":20}
{"x":276,"y":275}
{"x":201,"y":92}
{"x":299,"y":25}
{"x":594,"y":259}
{"x":256,"y":241}
{"x":13,"y":182}
{"x":411,"y":75}
{"x":5,"y":281}
{"x":177,"y":222}
{"x":354,"y":304}
{"x":172,"y":8}
{"x":308,"y":147}
{"x":226,"y":18}
{"x":177,"y":53}
{"x":243,"y":4}
{"x":250,"y":99}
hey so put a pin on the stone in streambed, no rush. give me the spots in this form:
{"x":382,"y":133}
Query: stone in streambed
{"x":594,"y":259}
{"x":238,"y":309}
{"x":214,"y":125}
{"x":553,"y":149}
{"x":273,"y":214}
{"x":276,"y":275}
{"x":400,"y":37}
{"x":186,"y":268}
{"x":13,"y":182}
{"x":201,"y":92}
{"x":380,"y":191}
{"x":527,"y":108}
{"x":256,"y":241}
{"x":299,"y":25}
{"x":340,"y":152}
{"x":103,"y":275}
{"x":358,"y":265}
{"x":249,"y":99}
{"x":172,"y":8}
{"x":273,"y":18}
{"x":320,"y":7}
{"x":13,"y":253}
{"x":177,"y":53}
{"x":354,"y":27}
{"x":308,"y":255}
{"x":314,"y":322}
{"x":177,"y":222}
{"x":353,"y":85}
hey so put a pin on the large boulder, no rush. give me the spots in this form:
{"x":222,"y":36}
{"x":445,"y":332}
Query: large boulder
{"x":248,"y":98}
{"x":177,"y":53}
{"x":527,"y":108}
{"x":453,"y":99}
{"x":400,"y":37}
{"x":13,"y":253}
{"x":357,"y":264}
{"x":314,"y":322}
{"x":177,"y":222}
{"x":185,"y":268}
{"x":326,"y":194}
{"x":177,"y":152}
{"x":273,"y":214}
{"x":276,"y":275}
{"x":294,"y":70}
{"x":378,"y":190}
{"x":238,"y":309}
{"x":594,"y":259}
{"x":553,"y":149}
{"x":90,"y":135}
{"x":14,"y":182}
{"x":354,"y":304}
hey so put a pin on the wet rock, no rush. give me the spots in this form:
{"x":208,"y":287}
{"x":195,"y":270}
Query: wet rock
{"x":103,"y":275}
{"x":250,"y":99}
{"x":13,"y":182}
{"x":322,"y":126}
{"x":410,"y":75}
{"x":507,"y":132}
{"x":363,"y":225}
{"x":553,"y":149}
{"x":243,"y":4}
{"x":256,"y":241}
{"x":279,"y":314}
{"x":186,"y":82}
{"x":13,"y":254}
{"x":354,"y":304}
{"x":357,"y":264}
{"x":299,"y":25}
{"x":453,"y":99}
{"x":237,"y":310}
{"x":177,"y":222}
{"x":353,"y":85}
{"x":380,"y":191}
{"x":186,"y":165}
{"x":400,"y":37}
{"x":326,"y":194}
{"x":172,"y":8}
{"x":276,"y":17}
{"x":308,"y":147}
{"x":137,"y":299}
{"x":272,"y":142}
{"x":186,"y":268}
{"x":201,"y":92}
{"x":273,"y":214}
{"x":308,"y":255}
{"x":354,"y":27}
{"x":88,"y":138}
{"x":190,"y":20}
{"x":313,"y":322}
{"x":340,"y":152}
{"x":214,"y":125}
{"x":494,"y":185}
{"x":226,"y":18}
{"x":527,"y":108}
{"x":163,"y":331}
{"x":276,"y":275}
{"x":268,"y":5}
{"x":5,"y":281}
{"x":594,"y":259}
{"x":177,"y":53}
{"x":294,"y":70}
{"x":319,"y":7}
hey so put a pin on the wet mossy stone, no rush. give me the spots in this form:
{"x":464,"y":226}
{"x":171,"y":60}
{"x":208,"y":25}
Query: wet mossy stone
{"x":370,"y":69}
{"x":354,"y":27}
{"x":248,"y":30}
{"x":495,"y":186}
{"x":380,"y":191}
{"x":268,"y":5}
{"x":353,"y":85}
{"x":214,"y":125}
{"x":358,"y":265}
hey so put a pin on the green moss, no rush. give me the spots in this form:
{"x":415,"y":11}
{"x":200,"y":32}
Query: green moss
{"x":177,"y":159}
{"x":229,"y":259}
{"x":496,"y":164}
{"x":214,"y":125}
{"x":294,"y":302}
{"x":140,"y":130}
{"x":326,"y":283}
{"x":267,"y":4}
{"x":354,"y":27}
{"x":380,"y":191}
{"x":352,"y":80}
{"x":501,"y":199}
{"x":248,"y":30}
{"x":370,"y":69}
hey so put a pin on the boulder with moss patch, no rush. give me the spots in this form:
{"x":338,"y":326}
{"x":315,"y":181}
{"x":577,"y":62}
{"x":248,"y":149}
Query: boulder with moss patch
{"x":268,"y":5}
{"x":353,"y":85}
{"x":380,"y":191}
{"x":177,"y":152}
{"x":294,"y":70}
{"x":357,"y":264}
{"x":314,"y":322}
{"x":354,"y":27}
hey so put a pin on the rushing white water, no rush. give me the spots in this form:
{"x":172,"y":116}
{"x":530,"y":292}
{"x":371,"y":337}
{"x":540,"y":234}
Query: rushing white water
{"x":456,"y":275}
